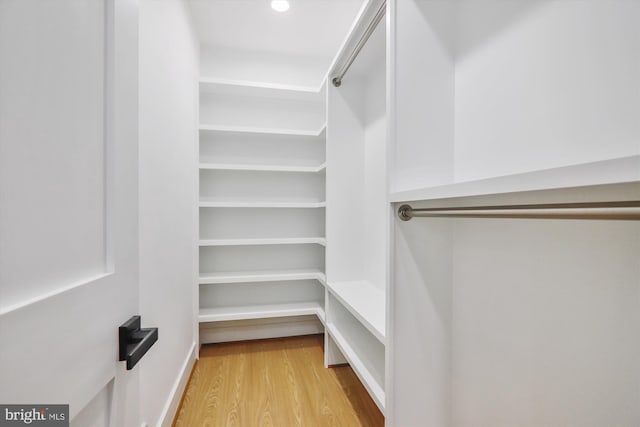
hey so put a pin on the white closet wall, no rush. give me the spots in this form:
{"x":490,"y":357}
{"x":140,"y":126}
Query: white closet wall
{"x":356,"y":178}
{"x":283,"y":70}
{"x":268,"y":149}
{"x":567,"y":91}
{"x":167,"y":218}
{"x":507,"y":322}
{"x":260,"y":106}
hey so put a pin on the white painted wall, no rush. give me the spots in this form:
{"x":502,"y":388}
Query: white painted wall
{"x":345,"y":137}
{"x":376,"y":218}
{"x":424,"y":93}
{"x":168,"y":183}
{"x":420,"y":340}
{"x":541,"y":84}
{"x":516,"y":322}
{"x":255,"y":66}
{"x":545,"y":323}
{"x":356,"y":169}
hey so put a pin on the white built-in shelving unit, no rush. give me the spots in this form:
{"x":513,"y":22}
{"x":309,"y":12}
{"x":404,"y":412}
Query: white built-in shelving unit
{"x":505,"y":321}
{"x":358,"y":213}
{"x":456,"y":104}
{"x":262,"y":201}
{"x":289,"y":174}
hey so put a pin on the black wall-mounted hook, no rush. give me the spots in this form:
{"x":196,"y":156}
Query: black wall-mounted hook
{"x":135,"y":341}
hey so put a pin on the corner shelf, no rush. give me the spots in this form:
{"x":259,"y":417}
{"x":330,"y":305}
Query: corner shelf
{"x":258,"y":130}
{"x":269,"y":241}
{"x":612,"y":171}
{"x":262,"y":168}
{"x":261,"y":312}
{"x":262,"y":276}
{"x":365,"y":302}
{"x":361,"y":369}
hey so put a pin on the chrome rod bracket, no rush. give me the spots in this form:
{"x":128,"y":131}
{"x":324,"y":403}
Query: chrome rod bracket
{"x":405,"y":212}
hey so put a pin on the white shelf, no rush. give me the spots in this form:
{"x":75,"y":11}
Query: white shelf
{"x":360,"y":368}
{"x":257,"y":242}
{"x":613,"y":171}
{"x":245,"y":204}
{"x":365,"y":301}
{"x":262,"y":276}
{"x":261,"y":168}
{"x":245,"y":87}
{"x":249,"y":129}
{"x":260,"y":312}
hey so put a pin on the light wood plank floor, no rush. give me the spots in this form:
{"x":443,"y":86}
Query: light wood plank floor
{"x":278,"y":382}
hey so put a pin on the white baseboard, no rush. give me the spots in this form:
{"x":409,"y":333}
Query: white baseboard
{"x":170,"y":408}
{"x":241,"y":330}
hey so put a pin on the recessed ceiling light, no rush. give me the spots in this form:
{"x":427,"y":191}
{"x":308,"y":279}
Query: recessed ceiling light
{"x":280,"y":5}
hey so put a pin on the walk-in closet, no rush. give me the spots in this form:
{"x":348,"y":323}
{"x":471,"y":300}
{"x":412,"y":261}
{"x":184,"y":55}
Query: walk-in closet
{"x":308,"y":213}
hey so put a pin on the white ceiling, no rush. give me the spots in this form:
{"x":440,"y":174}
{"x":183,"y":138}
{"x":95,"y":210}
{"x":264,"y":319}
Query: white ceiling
{"x":312,"y":28}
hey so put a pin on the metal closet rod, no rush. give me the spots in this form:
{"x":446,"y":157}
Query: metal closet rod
{"x":337,"y":79}
{"x":625,"y":210}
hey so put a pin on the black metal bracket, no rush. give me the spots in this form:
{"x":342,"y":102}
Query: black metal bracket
{"x":134,"y":342}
